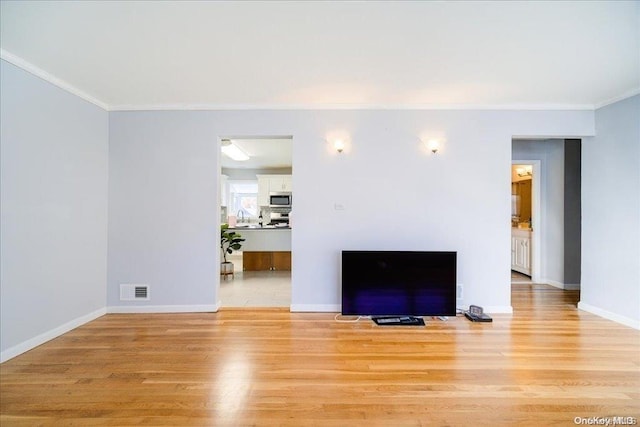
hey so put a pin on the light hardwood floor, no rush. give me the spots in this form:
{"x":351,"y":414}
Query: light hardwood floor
{"x":544,"y":365}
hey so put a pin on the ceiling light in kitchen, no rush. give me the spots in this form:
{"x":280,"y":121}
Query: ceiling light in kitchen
{"x":233,"y":151}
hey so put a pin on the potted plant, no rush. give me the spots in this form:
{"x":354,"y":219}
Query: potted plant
{"x":229,"y":241}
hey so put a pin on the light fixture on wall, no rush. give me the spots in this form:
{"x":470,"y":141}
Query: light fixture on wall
{"x":433,"y":145}
{"x":526,"y":170}
{"x":338,"y":144}
{"x":233,"y":151}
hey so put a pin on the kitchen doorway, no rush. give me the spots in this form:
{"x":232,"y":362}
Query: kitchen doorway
{"x":249,"y":206}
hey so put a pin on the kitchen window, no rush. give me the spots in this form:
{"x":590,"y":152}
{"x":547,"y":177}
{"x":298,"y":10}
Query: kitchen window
{"x":243,"y":199}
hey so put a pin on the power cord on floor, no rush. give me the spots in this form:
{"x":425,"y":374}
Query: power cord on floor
{"x":357,"y":319}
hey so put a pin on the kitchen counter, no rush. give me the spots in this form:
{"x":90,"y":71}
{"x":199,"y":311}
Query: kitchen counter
{"x":265,"y":239}
{"x":257,"y":227}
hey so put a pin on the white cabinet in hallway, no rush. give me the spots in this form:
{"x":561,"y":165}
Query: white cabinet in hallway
{"x":521,"y":250}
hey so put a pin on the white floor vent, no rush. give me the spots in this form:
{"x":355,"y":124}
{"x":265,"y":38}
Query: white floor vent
{"x":132,"y":292}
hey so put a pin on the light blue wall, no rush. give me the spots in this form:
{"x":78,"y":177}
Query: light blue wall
{"x":611,"y":214}
{"x":163,"y":208}
{"x":54,"y":210}
{"x":59,"y":152}
{"x":395,"y":194}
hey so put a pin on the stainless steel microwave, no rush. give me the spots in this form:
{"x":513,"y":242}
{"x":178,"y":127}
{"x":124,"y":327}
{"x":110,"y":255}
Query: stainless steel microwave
{"x":280,"y":200}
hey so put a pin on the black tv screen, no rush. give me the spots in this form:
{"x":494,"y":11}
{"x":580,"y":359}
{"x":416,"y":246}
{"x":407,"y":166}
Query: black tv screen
{"x":381,"y":283}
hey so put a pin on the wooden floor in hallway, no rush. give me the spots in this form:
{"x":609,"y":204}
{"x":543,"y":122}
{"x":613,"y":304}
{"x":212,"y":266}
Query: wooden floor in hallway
{"x":546,"y":364}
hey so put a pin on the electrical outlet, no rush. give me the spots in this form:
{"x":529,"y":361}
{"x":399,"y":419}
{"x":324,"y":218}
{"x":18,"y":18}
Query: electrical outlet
{"x":460,"y":291}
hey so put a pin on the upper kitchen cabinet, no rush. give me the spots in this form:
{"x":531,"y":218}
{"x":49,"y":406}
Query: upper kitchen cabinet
{"x":272,"y":184}
{"x":263,"y":190}
{"x":280,"y":183}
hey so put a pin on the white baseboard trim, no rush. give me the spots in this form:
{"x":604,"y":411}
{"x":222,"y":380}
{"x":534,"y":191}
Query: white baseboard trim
{"x":29,"y":344}
{"x":493,"y":309}
{"x":498,"y":309}
{"x":626,"y":321}
{"x":336,"y":308}
{"x":553,"y":283}
{"x":315,"y":308}
{"x":202,"y":308}
{"x":560,"y":285}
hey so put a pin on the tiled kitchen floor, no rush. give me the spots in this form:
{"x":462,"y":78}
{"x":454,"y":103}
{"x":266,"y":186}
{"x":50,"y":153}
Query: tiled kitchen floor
{"x":255,"y":288}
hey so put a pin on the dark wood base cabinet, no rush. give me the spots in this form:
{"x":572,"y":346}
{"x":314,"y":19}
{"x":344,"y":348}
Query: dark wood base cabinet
{"x":265,"y":261}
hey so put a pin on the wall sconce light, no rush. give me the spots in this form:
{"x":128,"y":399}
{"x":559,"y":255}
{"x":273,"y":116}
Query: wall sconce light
{"x":338,"y":144}
{"x":433,"y":145}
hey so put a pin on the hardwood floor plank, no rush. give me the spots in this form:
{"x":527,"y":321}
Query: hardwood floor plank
{"x":544,"y":365}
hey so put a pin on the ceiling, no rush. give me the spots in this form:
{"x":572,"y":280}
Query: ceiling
{"x":134,"y":55}
{"x":267,"y":152}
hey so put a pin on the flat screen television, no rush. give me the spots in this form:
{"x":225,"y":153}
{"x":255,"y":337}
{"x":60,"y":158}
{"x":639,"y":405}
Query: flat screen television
{"x":390,"y":283}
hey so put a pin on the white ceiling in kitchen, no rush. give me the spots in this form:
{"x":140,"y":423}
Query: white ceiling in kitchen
{"x":329,"y":54}
{"x":265,"y":152}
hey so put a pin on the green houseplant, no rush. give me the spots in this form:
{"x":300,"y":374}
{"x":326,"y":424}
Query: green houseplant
{"x":229,"y":241}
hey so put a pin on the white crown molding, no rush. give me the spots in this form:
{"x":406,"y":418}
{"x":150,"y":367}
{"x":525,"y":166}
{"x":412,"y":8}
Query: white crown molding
{"x":38,"y":72}
{"x":44,"y":75}
{"x":246,"y":107}
{"x":624,"y":96}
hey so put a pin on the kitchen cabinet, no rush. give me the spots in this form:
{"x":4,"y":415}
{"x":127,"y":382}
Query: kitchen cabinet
{"x":280,"y":183}
{"x":256,"y":261}
{"x":265,"y":239}
{"x":266,"y":249}
{"x":263,"y":190}
{"x":521,"y":251}
{"x":264,"y":261}
{"x":272,"y":184}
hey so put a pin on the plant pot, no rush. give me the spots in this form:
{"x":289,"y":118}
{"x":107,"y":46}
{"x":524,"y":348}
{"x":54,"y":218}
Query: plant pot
{"x":226,"y":267}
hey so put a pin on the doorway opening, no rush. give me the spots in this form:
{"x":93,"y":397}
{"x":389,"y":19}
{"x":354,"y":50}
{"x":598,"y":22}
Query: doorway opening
{"x":262,"y":263}
{"x":546,"y":219}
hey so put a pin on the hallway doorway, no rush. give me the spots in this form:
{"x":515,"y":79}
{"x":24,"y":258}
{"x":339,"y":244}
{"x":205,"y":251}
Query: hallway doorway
{"x":554,"y":166}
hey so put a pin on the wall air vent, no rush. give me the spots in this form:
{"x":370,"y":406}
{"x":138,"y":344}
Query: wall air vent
{"x":133,"y":292}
